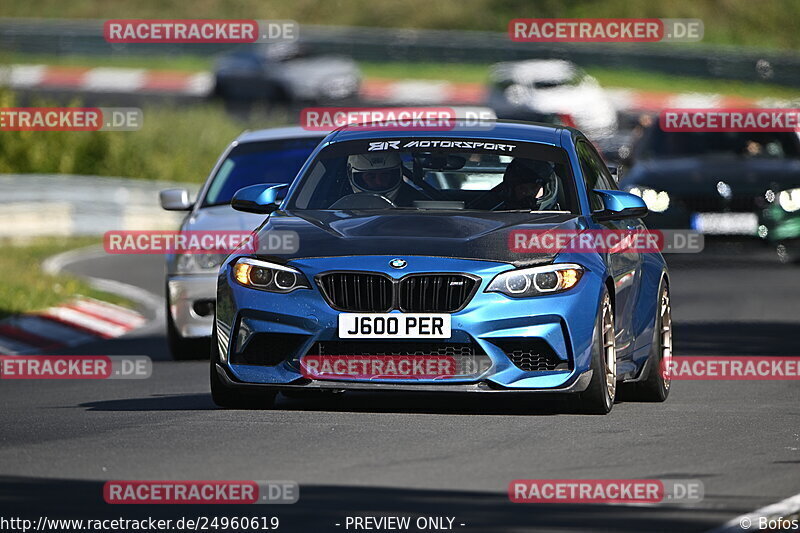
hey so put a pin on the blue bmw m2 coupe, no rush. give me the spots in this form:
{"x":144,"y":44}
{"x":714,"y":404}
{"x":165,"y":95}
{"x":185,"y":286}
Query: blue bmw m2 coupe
{"x":394,"y":263}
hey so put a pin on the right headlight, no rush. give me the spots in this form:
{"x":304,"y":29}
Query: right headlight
{"x":789,"y":200}
{"x":657,"y":201}
{"x":266,"y":276}
{"x":535,"y":281}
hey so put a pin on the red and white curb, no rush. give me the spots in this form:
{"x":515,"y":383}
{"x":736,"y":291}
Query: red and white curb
{"x":76,"y":322}
{"x":377,"y":90}
{"x":107,"y":79}
{"x":422,"y":92}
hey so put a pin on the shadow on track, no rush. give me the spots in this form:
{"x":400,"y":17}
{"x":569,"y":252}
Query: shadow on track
{"x":367,"y":402}
{"x":321,"y":507}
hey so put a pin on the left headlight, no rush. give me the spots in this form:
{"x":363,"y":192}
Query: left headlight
{"x":789,"y":200}
{"x":526,"y":282}
{"x":266,"y":276}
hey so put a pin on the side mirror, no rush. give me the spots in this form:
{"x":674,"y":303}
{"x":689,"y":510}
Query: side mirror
{"x":260,"y":199}
{"x":175,"y":199}
{"x":619,"y":205}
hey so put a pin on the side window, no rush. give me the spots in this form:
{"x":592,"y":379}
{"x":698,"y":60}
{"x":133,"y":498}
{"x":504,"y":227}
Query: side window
{"x":591,"y":175}
{"x":606,"y":180}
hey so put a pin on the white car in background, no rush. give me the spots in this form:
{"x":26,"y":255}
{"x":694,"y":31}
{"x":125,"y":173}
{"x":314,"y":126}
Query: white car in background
{"x":264,"y":156}
{"x":552,"y":87}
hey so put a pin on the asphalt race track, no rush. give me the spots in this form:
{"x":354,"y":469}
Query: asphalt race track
{"x":370,"y":454}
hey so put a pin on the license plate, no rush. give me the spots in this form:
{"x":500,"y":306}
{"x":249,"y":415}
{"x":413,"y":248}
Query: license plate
{"x":725,"y":223}
{"x":394,"y":326}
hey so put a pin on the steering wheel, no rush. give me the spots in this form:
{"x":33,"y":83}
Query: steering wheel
{"x":491,"y":192}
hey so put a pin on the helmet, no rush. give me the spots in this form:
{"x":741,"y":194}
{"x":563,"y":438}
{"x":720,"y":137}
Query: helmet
{"x":378,"y":173}
{"x":530,"y":184}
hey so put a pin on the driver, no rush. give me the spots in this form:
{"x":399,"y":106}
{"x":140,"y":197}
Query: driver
{"x":530,"y":185}
{"x":378,"y":173}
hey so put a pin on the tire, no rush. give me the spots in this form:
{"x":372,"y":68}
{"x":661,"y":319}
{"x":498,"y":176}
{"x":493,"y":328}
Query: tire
{"x":224,"y":396}
{"x":655,"y":386}
{"x":598,"y":398}
{"x":182,"y":348}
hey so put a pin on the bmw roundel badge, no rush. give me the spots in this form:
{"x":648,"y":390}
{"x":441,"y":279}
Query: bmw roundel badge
{"x":398,"y":263}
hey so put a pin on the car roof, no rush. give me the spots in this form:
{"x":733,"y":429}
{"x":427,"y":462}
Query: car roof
{"x":274,"y":134}
{"x":495,"y":130}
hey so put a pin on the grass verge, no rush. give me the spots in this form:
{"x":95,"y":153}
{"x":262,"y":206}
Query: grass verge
{"x":173,"y":144}
{"x":741,"y":22}
{"x":26,"y":288}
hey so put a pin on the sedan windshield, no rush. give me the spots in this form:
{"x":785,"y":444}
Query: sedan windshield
{"x":438,"y":175}
{"x":258,"y":162}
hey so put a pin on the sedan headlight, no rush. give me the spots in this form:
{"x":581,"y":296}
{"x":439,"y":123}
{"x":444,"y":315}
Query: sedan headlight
{"x":789,"y":200}
{"x":198,"y":263}
{"x":270,"y":277}
{"x":657,"y":201}
{"x":526,"y":282}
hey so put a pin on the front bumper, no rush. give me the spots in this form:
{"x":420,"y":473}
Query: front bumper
{"x":578,"y":383}
{"x":189,"y":294}
{"x":565,"y":322}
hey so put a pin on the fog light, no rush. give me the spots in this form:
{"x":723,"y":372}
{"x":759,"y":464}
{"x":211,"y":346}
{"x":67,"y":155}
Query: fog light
{"x":203,"y":307}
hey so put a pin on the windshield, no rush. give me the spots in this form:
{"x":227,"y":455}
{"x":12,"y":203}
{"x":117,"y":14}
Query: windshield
{"x":258,"y":162}
{"x":438,"y":174}
{"x":747,"y":144}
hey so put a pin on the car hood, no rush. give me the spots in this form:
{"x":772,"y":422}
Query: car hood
{"x":452,"y":234}
{"x":692,"y":175}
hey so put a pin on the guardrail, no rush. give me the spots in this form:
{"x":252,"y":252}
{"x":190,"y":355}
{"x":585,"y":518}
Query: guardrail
{"x":385,"y":44}
{"x":58,"y":204}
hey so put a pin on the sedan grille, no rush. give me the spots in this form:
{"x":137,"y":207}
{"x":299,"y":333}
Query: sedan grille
{"x":377,"y":293}
{"x":716,"y":204}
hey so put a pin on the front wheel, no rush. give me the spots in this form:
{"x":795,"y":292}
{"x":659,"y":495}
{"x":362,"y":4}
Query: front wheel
{"x":598,"y":398}
{"x":655,"y":387}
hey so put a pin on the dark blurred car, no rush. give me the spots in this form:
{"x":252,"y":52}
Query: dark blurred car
{"x":717,"y":183}
{"x":285,"y":73}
